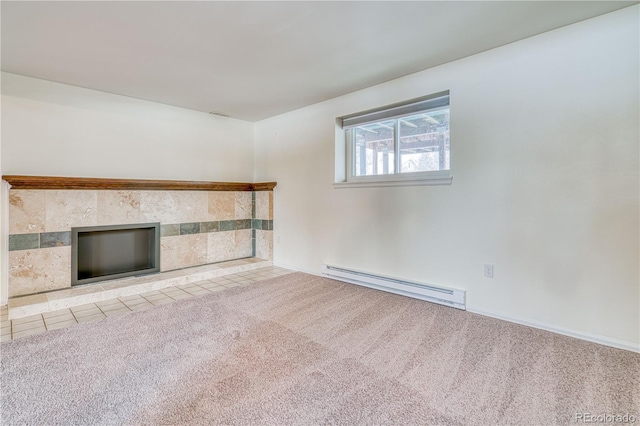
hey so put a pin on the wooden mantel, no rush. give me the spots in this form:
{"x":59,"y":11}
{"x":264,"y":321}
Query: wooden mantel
{"x":56,"y":182}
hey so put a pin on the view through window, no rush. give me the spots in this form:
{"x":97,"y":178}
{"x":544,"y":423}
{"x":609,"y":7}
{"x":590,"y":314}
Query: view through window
{"x":423,"y":144}
{"x":406,"y":139}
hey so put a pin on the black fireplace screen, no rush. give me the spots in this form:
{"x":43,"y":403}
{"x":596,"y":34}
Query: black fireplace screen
{"x":106,"y":252}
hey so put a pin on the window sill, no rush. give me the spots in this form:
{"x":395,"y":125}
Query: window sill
{"x":440,"y":180}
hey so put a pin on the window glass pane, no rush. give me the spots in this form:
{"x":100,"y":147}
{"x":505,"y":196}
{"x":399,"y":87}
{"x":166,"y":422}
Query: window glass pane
{"x":424,"y":141}
{"x":373,"y":146}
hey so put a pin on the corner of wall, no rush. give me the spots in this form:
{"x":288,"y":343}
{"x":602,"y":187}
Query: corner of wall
{"x":4,"y":243}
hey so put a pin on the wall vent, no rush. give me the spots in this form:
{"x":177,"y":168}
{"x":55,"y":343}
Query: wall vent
{"x":430,"y":293}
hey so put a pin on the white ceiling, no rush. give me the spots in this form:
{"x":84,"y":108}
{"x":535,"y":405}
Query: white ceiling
{"x":253,"y":60}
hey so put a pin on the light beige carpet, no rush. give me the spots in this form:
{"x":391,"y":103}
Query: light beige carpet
{"x":304,"y":350}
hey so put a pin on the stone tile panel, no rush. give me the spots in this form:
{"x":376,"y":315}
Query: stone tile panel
{"x":72,"y":208}
{"x":222,"y":205}
{"x":264,"y":244}
{"x":183,"y":251}
{"x":242,"y":243}
{"x":173,"y":206}
{"x":27,"y":211}
{"x":32,"y":271}
{"x":243,"y":205}
{"x":221,"y":246}
{"x":119,"y":207}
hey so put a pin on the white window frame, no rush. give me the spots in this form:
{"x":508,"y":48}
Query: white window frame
{"x":345,"y":177}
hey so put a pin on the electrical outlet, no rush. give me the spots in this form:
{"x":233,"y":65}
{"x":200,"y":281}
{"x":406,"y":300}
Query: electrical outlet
{"x":488,"y":270}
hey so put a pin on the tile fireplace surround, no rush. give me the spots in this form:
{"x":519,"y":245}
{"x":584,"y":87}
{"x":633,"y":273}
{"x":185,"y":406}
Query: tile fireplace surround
{"x":201,"y":222}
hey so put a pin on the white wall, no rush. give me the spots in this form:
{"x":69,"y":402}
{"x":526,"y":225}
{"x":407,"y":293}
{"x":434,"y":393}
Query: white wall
{"x":545,"y":161}
{"x":61,"y":130}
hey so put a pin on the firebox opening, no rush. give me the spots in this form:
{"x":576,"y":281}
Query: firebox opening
{"x":106,"y":252}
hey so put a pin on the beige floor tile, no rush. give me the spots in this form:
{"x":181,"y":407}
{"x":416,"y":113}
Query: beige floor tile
{"x":58,"y":313}
{"x":60,"y":318}
{"x":117,"y":312}
{"x":258,"y":277}
{"x":244,"y":274}
{"x":187,"y":287}
{"x":128,"y":298}
{"x":30,"y":318}
{"x":5,"y":337}
{"x":62,"y":324}
{"x":133,"y":302}
{"x":6,"y":331}
{"x":109,"y":302}
{"x":94,"y":317}
{"x":27,"y":326}
{"x":174,"y":288}
{"x":174,"y":292}
{"x":141,"y":306}
{"x":87,"y":313}
{"x":230,"y":285}
{"x":113,"y":307}
{"x":253,"y":279}
{"x":157,"y":296}
{"x":29,"y":332}
{"x":235,"y":279}
{"x":182,"y":295}
{"x":190,"y":286}
{"x":161,"y":301}
{"x":80,"y":308}
{"x":210,"y":286}
{"x":199,"y":292}
{"x":151,"y":294}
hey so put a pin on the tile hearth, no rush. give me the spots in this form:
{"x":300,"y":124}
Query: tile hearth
{"x":66,"y":317}
{"x":42,"y":303}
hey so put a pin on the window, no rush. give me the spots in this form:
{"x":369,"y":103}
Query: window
{"x":405,"y":143}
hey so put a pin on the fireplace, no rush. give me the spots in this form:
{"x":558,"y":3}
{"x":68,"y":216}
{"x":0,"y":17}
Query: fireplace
{"x":106,"y":252}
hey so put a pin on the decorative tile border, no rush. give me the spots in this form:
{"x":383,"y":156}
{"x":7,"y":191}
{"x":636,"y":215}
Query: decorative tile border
{"x":209,"y":227}
{"x":253,"y":229}
{"x":24,"y":241}
{"x":170,"y":230}
{"x":253,"y":204}
{"x":265,"y":225}
{"x":39,"y":240}
{"x":55,"y":239}
{"x":189,"y":228}
{"x":61,"y":239}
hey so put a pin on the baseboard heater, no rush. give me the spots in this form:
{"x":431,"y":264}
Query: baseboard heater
{"x":430,"y":293}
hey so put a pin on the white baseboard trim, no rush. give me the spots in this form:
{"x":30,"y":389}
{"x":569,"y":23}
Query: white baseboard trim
{"x":590,"y":337}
